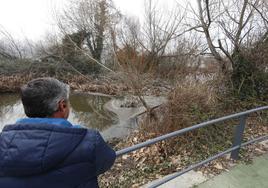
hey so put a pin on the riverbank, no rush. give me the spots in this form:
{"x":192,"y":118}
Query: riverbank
{"x":148,"y":164}
{"x":12,"y":84}
{"x":188,"y":104}
{"x":104,"y":85}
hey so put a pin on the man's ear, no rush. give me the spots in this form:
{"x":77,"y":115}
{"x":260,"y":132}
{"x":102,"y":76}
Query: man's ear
{"x":63,"y":110}
{"x":62,"y":105}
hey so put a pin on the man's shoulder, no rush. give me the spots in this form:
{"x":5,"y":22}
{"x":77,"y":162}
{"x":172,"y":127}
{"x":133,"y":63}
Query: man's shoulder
{"x":92,"y":134}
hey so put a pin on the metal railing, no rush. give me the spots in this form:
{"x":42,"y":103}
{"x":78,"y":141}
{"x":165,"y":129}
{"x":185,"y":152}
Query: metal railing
{"x":237,"y":142}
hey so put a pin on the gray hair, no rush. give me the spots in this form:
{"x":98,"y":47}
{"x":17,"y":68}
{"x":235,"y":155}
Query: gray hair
{"x":40,"y":96}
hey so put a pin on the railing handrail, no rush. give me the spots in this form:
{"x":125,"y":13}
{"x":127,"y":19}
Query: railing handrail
{"x":237,"y":143}
{"x":181,"y":131}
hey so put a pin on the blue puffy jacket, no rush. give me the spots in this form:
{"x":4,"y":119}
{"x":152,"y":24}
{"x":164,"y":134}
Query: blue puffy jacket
{"x":37,"y":154}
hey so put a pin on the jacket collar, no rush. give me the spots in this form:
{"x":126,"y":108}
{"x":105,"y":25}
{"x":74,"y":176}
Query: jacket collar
{"x":51,"y":121}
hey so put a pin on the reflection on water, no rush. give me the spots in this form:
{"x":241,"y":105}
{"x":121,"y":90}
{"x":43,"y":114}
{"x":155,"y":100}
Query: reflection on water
{"x":10,"y":109}
{"x":87,"y":110}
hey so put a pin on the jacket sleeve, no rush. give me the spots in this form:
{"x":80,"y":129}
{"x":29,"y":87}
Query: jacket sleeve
{"x":104,"y":155}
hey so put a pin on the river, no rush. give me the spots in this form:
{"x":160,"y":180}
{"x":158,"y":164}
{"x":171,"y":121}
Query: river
{"x":86,"y":110}
{"x":93,"y":111}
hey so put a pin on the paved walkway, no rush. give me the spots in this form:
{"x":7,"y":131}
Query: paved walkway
{"x":253,"y":175}
{"x":187,"y":180}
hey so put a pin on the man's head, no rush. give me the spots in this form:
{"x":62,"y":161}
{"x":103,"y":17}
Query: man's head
{"x":45,"y":97}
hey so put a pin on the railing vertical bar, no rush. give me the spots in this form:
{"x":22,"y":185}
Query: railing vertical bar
{"x":238,"y":137}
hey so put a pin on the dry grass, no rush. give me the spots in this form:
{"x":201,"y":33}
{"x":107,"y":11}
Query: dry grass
{"x":13,"y":83}
{"x":188,"y":103}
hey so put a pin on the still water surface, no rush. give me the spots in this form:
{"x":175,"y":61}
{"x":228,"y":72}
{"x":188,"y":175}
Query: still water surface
{"x":87,"y":110}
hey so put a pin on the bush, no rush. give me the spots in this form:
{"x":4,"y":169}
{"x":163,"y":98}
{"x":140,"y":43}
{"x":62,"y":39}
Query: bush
{"x":84,"y":65}
{"x":10,"y":67}
{"x":250,"y":72}
{"x":188,"y":104}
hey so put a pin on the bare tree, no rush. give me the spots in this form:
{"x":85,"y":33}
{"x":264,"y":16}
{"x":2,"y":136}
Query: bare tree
{"x":159,"y":29}
{"x":90,"y":19}
{"x":228,"y":25}
{"x":49,"y":46}
{"x":10,"y":48}
{"x":148,"y":41}
{"x":15,"y":48}
{"x":231,"y":28}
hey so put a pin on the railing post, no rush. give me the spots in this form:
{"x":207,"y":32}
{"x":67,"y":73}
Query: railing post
{"x":238,"y":137}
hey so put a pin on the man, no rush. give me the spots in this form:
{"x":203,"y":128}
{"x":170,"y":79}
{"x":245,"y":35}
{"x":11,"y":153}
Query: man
{"x":45,"y":150}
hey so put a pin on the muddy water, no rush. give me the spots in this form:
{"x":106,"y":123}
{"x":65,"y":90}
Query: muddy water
{"x":87,"y":110}
{"x":93,"y":111}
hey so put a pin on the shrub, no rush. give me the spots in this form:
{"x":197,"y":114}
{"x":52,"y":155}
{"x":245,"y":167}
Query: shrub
{"x":188,"y":104}
{"x":250,"y":72}
{"x":84,"y":65}
{"x":10,"y":67}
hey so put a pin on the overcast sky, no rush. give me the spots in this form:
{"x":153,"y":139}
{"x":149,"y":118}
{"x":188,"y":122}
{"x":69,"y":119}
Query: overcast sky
{"x":34,"y":18}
